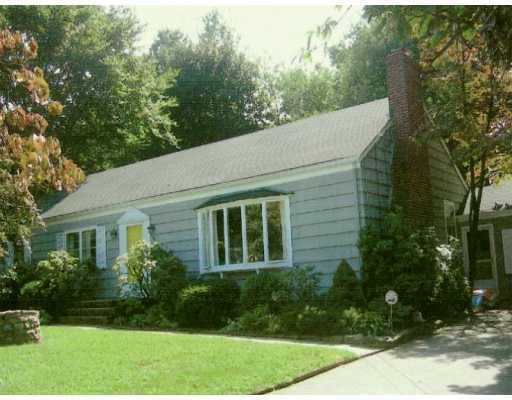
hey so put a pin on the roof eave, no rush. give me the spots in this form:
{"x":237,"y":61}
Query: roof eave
{"x":250,"y":183}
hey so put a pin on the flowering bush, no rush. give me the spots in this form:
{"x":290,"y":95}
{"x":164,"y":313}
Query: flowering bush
{"x":134,"y":271}
{"x":150,"y":273}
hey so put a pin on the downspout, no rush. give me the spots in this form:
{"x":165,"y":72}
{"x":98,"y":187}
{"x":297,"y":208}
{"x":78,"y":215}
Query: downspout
{"x":356,"y":168}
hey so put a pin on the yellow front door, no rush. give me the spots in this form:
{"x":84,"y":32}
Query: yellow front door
{"x":133,"y":235}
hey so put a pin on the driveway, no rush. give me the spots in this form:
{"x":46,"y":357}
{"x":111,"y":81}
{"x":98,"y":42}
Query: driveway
{"x":471,"y":358}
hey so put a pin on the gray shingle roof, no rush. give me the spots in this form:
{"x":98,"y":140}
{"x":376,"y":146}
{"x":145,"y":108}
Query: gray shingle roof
{"x":332,"y":136}
{"x":499,"y":194}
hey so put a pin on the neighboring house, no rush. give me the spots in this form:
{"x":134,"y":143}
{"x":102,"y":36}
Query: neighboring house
{"x":494,"y":254}
{"x":296,"y":194}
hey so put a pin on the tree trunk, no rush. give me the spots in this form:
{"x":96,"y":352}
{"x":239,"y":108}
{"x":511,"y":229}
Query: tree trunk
{"x":476,"y":189}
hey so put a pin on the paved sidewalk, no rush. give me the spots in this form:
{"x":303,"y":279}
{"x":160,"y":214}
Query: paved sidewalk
{"x":464,"y":359}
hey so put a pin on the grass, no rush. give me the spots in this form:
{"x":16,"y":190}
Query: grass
{"x":74,"y":360}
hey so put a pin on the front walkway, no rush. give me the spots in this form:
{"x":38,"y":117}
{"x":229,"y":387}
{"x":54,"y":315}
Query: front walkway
{"x":465,"y":359}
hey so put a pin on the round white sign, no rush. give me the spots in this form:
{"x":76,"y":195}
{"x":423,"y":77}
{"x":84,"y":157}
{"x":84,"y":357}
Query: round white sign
{"x":391,"y":297}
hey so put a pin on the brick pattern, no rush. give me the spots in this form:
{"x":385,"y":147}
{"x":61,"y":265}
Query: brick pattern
{"x":19,"y":326}
{"x":412,"y":189}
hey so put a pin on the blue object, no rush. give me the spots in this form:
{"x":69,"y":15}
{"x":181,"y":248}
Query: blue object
{"x":477,"y":300}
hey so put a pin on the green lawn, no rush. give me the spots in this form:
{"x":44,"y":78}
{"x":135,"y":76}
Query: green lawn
{"x":75,"y":360}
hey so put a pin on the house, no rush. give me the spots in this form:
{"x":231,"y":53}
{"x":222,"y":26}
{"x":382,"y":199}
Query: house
{"x":494,"y":254}
{"x":296,"y":194}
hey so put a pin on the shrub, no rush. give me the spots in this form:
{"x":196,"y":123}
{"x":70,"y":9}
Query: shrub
{"x":11,"y":281}
{"x":277,"y":290}
{"x":208,"y":303}
{"x":153,"y":317}
{"x":45,"y":318}
{"x":346,"y":290}
{"x":257,"y":320}
{"x":452,"y":294}
{"x":126,"y":308}
{"x":136,"y":313}
{"x":367,"y":323}
{"x":266,"y":289}
{"x":395,"y":256}
{"x":58,"y":280}
{"x":151,"y":273}
{"x":315,"y":321}
{"x":402,"y":314}
{"x":156,"y":316}
{"x":302,"y":284}
{"x":168,"y":279}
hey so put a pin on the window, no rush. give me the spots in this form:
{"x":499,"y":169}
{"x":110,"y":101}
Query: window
{"x":82,"y":244}
{"x":248,"y":234}
{"x":450,"y":223}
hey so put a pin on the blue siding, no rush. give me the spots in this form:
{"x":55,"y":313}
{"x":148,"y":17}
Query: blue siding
{"x":446,"y":183}
{"x":374,"y":179}
{"x":324,"y":222}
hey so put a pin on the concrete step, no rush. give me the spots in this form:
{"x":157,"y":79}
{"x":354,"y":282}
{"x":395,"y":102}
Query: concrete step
{"x":84,"y":320}
{"x":96,"y":311}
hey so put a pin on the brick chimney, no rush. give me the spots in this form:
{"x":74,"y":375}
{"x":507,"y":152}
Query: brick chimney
{"x":411,"y":178}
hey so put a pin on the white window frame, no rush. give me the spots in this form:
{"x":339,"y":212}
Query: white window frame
{"x":447,"y":204}
{"x":490,"y":229}
{"x":207,"y":247}
{"x":79,"y":231}
{"x":132,"y":217}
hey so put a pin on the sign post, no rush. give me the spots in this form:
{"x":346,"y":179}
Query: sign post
{"x":391,"y":298}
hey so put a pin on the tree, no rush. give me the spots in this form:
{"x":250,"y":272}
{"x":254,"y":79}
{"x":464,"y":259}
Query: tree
{"x":466,"y":59}
{"x":357,"y":58}
{"x":304,"y":93}
{"x":359,"y":61}
{"x":114,"y":110}
{"x":29,"y":160}
{"x":218,"y":91}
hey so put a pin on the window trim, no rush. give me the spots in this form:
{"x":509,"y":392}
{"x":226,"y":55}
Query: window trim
{"x":205,"y":215}
{"x":79,"y":231}
{"x":490,"y":229}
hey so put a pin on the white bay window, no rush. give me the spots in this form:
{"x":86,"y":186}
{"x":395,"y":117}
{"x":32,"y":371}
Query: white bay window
{"x":245,"y":234}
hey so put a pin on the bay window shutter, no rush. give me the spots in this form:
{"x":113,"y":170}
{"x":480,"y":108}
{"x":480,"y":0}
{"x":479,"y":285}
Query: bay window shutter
{"x":101,"y":248}
{"x":60,"y":239}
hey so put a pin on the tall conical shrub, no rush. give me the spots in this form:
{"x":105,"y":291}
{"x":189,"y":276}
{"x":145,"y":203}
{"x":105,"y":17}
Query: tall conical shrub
{"x":346,"y":290}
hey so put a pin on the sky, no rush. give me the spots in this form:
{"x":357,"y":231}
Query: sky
{"x":272,"y":34}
